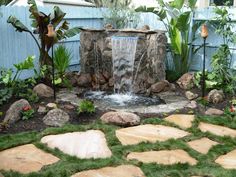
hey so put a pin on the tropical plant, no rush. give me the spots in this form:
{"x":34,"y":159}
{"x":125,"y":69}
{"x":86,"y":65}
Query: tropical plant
{"x":121,"y":17}
{"x":40,"y":22}
{"x":109,"y":3}
{"x":176,"y":17}
{"x":12,"y":85}
{"x":222,"y":75}
{"x":62,"y":58}
{"x":86,"y":106}
{"x":8,"y":78}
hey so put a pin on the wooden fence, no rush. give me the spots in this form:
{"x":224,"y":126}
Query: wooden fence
{"x":15,"y":46}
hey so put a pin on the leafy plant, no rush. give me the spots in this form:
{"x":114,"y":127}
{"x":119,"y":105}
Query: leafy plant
{"x":86,"y":106}
{"x":221,"y":76}
{"x":27,"y":112}
{"x":13,"y":86}
{"x":8,"y":78}
{"x":5,"y":95}
{"x":176,"y":17}
{"x":62,"y":61}
{"x":121,"y":17}
{"x":40,"y":21}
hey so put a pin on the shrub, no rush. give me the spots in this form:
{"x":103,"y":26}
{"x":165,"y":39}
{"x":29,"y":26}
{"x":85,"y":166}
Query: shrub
{"x":86,"y":106}
{"x":27,"y":112}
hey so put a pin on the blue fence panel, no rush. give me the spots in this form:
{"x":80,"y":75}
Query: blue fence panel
{"x":16,"y":46}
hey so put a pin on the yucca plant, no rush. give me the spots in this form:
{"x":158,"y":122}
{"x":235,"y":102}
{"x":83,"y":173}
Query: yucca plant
{"x":62,"y":58}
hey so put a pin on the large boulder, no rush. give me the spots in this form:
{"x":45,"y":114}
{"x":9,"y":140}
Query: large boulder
{"x":43,"y":90}
{"x":13,"y":114}
{"x":160,"y":86}
{"x":56,"y":118}
{"x":216,"y":96}
{"x":84,"y":80}
{"x":186,"y":81}
{"x":121,"y":118}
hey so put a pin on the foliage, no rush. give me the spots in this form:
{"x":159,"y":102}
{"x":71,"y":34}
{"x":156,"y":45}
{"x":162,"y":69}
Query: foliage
{"x":7,"y":77}
{"x":13,"y":86}
{"x":176,"y":16}
{"x":109,"y":3}
{"x":223,"y":2}
{"x":62,"y":58}
{"x":40,"y":21}
{"x":27,"y":112}
{"x":86,"y":106}
{"x":5,"y":2}
{"x":221,"y":76}
{"x":5,"y":95}
{"x":121,"y":17}
{"x":24,"y":90}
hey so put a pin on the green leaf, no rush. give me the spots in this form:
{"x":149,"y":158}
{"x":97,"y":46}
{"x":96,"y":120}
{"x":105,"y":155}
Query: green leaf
{"x":57,"y":16}
{"x":192,"y":3}
{"x":27,"y":64}
{"x":144,"y":9}
{"x":72,"y":32}
{"x":183,"y":21}
{"x":58,"y":81}
{"x":34,"y":16}
{"x":17,"y":24}
{"x":178,"y":4}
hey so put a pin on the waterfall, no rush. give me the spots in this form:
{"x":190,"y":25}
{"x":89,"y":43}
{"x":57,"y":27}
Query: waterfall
{"x":123,"y":57}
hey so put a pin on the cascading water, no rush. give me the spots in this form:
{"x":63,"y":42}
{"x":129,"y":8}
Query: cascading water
{"x":123,"y":57}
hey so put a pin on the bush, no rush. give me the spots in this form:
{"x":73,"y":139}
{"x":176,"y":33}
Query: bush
{"x":86,"y":106}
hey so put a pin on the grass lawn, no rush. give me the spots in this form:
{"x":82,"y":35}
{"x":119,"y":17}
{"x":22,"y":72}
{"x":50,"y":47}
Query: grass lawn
{"x":70,"y":165}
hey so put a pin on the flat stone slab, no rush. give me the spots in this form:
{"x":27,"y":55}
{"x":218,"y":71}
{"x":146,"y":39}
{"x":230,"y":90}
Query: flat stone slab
{"x":227,"y":161}
{"x":148,"y":133}
{"x":165,"y":157}
{"x":217,"y":130}
{"x":120,"y":171}
{"x":84,"y":145}
{"x":25,"y":159}
{"x":202,"y":145}
{"x":182,"y":120}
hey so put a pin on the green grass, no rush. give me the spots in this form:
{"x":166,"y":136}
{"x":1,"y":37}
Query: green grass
{"x":70,"y":165}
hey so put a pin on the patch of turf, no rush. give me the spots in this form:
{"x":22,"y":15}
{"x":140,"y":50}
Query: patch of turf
{"x":69,"y":165}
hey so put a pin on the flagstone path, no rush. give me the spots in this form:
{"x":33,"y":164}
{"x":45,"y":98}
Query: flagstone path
{"x":202,"y":145}
{"x":148,"y":133}
{"x":92,"y":144}
{"x":25,"y":159}
{"x":166,"y":157}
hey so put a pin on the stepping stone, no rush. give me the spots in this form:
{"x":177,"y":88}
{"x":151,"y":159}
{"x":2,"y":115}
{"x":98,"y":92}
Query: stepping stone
{"x":217,"y":130}
{"x":25,"y":159}
{"x":202,"y":145}
{"x":182,"y":120}
{"x":120,"y":171}
{"x":227,"y":161}
{"x":165,"y":157}
{"x":84,"y":145}
{"x":148,"y":133}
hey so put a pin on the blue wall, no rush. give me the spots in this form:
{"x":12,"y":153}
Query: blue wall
{"x":15,"y":46}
